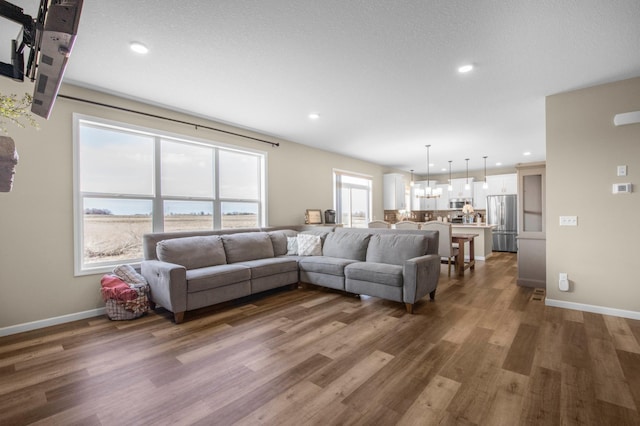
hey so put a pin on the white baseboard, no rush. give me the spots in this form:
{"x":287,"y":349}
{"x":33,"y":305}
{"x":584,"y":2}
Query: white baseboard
{"x":28,"y":326}
{"x":483,"y":258}
{"x":593,"y":308}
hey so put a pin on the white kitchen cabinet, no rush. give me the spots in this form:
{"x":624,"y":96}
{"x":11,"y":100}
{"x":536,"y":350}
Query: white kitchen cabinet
{"x":459,"y":190}
{"x":420,"y":203}
{"x":394,"y":191}
{"x":502,"y":184}
{"x":442,"y":203}
{"x":511,"y":183}
{"x":479,"y":196}
{"x":415,"y":190}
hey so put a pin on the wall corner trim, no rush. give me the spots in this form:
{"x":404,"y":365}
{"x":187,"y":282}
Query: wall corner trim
{"x":593,"y":309}
{"x":34,"y":325}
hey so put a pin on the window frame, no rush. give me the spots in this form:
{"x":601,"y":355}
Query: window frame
{"x":157,"y":199}
{"x":337,"y":190}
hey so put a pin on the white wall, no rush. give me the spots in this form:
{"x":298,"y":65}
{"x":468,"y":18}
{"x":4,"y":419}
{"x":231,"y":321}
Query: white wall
{"x":601,"y":254}
{"x":36,"y":218}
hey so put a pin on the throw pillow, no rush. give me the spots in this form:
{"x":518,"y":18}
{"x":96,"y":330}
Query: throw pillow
{"x":279,"y":240}
{"x":309,"y":245}
{"x":292,"y":246}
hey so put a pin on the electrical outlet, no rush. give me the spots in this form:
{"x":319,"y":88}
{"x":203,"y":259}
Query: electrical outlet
{"x":563,"y":281}
{"x":568,"y":220}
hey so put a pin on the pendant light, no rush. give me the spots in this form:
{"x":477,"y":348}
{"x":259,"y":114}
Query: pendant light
{"x":428,"y":191}
{"x":466,"y":185}
{"x":450,"y":188}
{"x":485,"y":185}
{"x":428,"y":188}
{"x":412,"y":177}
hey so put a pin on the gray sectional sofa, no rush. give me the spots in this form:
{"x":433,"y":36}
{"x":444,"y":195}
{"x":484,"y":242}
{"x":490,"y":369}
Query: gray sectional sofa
{"x":191,"y":270}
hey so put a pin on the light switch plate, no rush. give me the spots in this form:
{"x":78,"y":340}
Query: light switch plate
{"x":568,"y":220}
{"x":622,"y":170}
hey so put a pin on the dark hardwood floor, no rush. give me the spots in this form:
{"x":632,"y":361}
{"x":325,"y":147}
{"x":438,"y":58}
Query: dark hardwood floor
{"x":486,"y":352}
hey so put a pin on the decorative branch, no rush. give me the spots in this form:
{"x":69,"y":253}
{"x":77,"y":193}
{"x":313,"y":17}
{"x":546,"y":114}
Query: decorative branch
{"x":13,"y":110}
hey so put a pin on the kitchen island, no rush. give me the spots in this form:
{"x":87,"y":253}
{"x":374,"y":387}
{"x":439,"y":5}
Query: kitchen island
{"x":483,"y":243}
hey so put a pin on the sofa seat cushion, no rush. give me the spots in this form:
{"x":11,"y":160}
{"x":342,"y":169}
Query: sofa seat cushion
{"x":396,"y":248}
{"x":192,"y":252}
{"x":381,"y":273}
{"x":324,"y":265}
{"x":271,"y":266}
{"x":216,"y":276}
{"x":347,"y":245}
{"x":247,"y":246}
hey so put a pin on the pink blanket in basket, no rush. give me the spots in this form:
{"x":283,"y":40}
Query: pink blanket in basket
{"x":114,"y":288}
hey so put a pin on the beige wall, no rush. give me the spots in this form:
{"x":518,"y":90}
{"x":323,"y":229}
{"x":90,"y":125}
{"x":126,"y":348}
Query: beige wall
{"x":36,"y":218}
{"x":583,"y":149}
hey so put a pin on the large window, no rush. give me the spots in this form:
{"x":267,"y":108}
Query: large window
{"x":352,"y":199}
{"x":130,"y":181}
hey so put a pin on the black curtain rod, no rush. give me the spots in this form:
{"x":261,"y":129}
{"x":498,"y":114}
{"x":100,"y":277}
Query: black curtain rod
{"x":197,"y":126}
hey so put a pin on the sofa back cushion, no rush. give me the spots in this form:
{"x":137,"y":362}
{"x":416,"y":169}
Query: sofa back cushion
{"x":150,"y":241}
{"x":432,"y":236}
{"x":192,"y":252}
{"x":247,"y":246}
{"x":395,"y":248}
{"x":279,"y":240}
{"x":346,"y":245}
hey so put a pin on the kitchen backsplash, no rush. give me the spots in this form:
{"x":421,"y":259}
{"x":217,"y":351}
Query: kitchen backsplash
{"x":394,"y":216}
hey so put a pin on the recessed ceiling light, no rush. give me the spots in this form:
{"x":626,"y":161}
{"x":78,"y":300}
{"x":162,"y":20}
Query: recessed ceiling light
{"x":498,"y":164}
{"x":314,"y":116}
{"x":139,"y":47}
{"x":526,"y":153}
{"x":465,"y":68}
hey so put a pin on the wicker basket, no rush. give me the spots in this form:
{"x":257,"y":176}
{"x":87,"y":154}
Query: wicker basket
{"x":118,"y":310}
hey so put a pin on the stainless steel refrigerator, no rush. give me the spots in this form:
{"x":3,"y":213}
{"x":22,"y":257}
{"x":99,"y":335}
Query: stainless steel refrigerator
{"x":502,"y":214}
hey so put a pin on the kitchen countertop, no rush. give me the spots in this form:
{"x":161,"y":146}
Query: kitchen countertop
{"x":481,"y":225}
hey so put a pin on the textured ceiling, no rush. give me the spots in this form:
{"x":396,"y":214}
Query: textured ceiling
{"x":381,"y":74}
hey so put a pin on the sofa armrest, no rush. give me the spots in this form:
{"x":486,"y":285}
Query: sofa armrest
{"x":168,"y":283}
{"x":420,"y":276}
